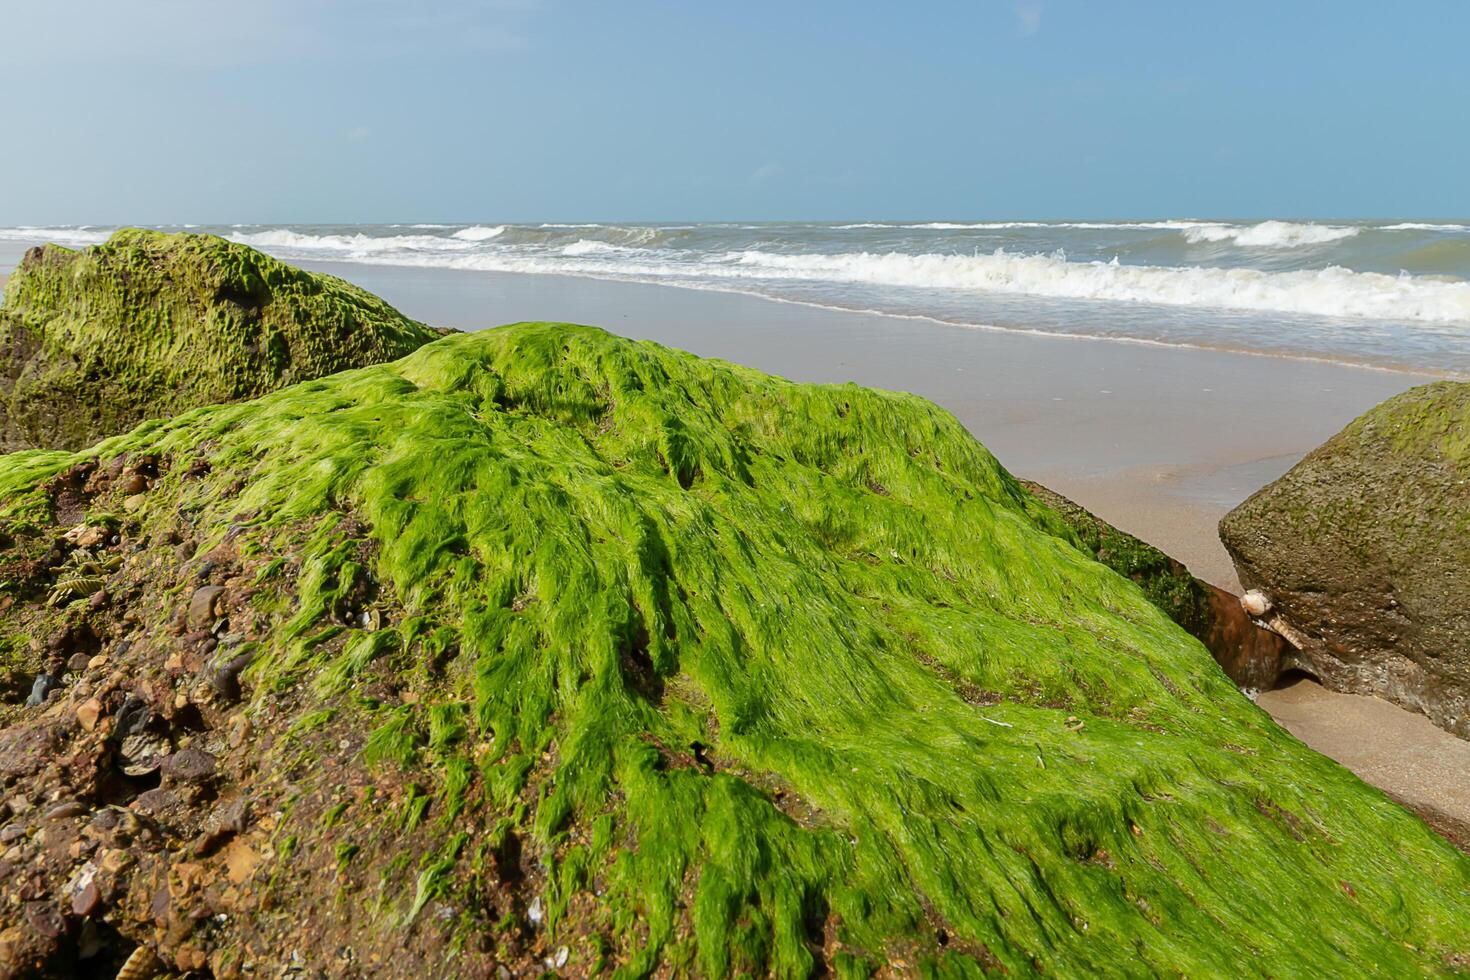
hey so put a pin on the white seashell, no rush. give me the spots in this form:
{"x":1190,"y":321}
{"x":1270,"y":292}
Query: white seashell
{"x":1256,"y":603}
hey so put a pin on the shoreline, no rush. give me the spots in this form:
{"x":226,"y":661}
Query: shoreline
{"x":12,"y":249}
{"x":1286,"y":355}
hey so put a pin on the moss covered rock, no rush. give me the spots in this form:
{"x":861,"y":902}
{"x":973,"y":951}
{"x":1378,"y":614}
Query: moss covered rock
{"x":1166,"y":582}
{"x":149,"y":324}
{"x":1251,"y":656}
{"x":546,"y":648}
{"x":1363,"y":549}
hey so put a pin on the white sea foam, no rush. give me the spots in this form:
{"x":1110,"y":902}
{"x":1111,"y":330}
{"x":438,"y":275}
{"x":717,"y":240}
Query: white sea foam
{"x":1270,"y":234}
{"x":585,"y":246}
{"x":1040,"y":225}
{"x":1265,"y":234}
{"x":348,"y":246}
{"x":1424,"y":226}
{"x":1332,"y":291}
{"x":76,"y":235}
{"x":781,"y":262}
{"x":480,"y":233}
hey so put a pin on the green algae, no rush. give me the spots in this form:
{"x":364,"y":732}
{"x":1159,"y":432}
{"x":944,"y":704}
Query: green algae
{"x":150,"y":324}
{"x":776,"y":678}
{"x":1165,"y":581}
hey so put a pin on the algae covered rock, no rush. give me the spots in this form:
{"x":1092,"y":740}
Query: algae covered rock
{"x":148,"y":324}
{"x":1363,"y":550}
{"x":1250,"y":656}
{"x":546,"y":649}
{"x":1166,"y":582}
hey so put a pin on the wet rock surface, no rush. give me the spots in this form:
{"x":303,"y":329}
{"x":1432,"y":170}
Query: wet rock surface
{"x":1363,"y":551}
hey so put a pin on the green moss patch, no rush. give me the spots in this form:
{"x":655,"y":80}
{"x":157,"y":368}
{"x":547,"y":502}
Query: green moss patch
{"x":150,"y":324}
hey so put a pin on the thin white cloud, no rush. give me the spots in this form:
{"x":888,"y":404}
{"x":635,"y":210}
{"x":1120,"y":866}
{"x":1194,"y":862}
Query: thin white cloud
{"x":768,"y":171}
{"x":1028,"y":17}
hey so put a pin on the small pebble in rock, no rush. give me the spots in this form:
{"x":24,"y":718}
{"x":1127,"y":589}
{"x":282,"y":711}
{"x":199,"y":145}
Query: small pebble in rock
{"x":189,"y":766}
{"x":44,"y":919}
{"x":201,"y":606}
{"x":71,"y":808}
{"x":43,"y":686}
{"x":88,"y":712}
{"x":87,"y":900}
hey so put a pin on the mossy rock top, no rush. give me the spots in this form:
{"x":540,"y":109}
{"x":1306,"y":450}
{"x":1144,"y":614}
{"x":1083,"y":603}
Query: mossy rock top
{"x":1364,"y":548}
{"x":149,"y":324}
{"x":566,"y":649}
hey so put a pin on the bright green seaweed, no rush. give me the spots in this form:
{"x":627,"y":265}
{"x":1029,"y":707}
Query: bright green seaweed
{"x":148,"y":324}
{"x":940,"y":738}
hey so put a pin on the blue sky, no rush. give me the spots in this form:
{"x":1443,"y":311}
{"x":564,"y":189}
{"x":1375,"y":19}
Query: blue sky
{"x":390,"y":110}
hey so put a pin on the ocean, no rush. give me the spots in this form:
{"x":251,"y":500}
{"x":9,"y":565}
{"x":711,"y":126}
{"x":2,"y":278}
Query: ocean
{"x":1388,"y":293}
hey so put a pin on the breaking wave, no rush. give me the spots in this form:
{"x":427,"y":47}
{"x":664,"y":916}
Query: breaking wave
{"x":1271,"y":234}
{"x":1376,"y":291}
{"x":479,"y":233}
{"x":1332,"y":291}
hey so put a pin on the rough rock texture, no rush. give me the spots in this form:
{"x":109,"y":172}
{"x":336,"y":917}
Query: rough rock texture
{"x":1364,"y":551}
{"x":543,"y":649}
{"x":1251,"y":655}
{"x":147,"y":325}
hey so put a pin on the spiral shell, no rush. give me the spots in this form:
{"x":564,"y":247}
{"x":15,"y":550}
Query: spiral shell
{"x":68,"y":589}
{"x":141,"y":965}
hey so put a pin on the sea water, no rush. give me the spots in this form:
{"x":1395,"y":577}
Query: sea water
{"x":1390,"y":293}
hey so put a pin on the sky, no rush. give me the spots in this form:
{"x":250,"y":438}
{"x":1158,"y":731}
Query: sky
{"x":311,"y":111}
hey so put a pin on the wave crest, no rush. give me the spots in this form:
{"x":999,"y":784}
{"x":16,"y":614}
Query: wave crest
{"x":479,"y":233}
{"x":1270,"y":234}
{"x":1333,"y":291}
